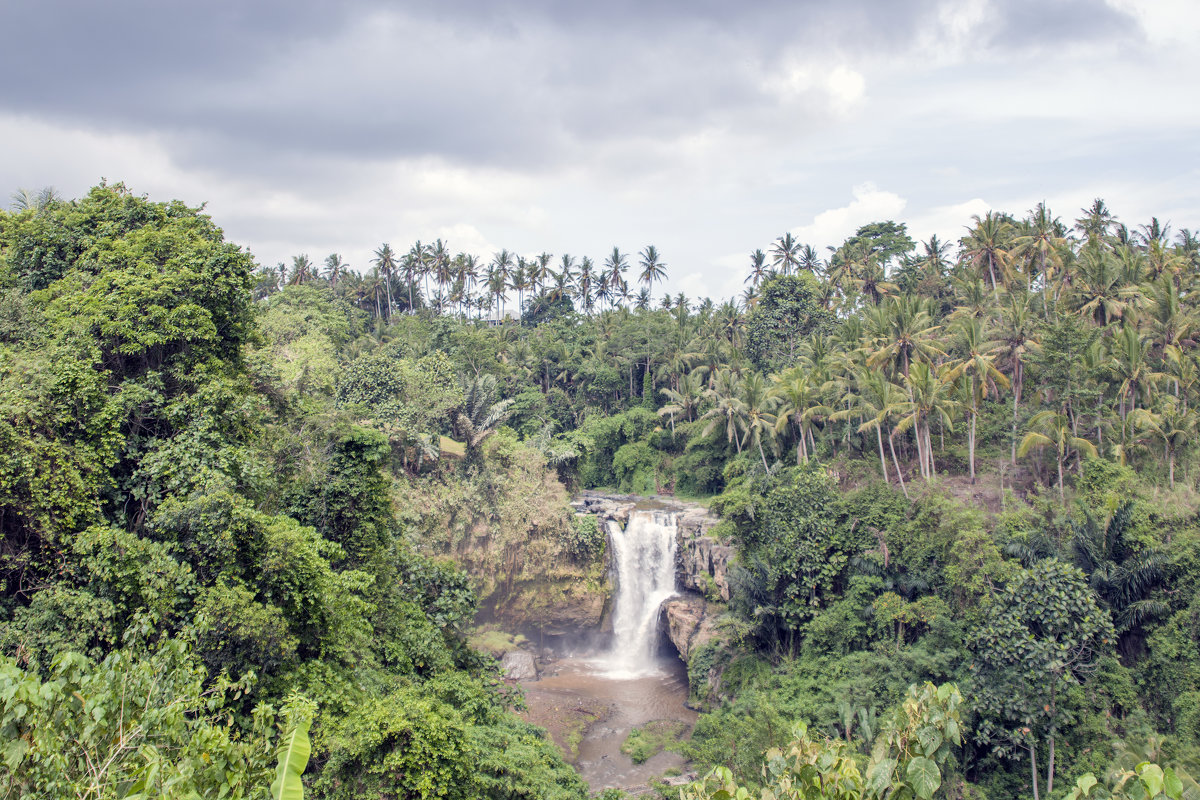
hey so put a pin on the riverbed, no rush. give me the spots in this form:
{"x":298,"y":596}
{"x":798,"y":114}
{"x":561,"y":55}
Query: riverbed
{"x":589,"y":713}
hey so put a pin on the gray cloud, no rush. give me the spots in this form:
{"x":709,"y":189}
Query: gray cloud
{"x":524,"y":84}
{"x":704,"y":126}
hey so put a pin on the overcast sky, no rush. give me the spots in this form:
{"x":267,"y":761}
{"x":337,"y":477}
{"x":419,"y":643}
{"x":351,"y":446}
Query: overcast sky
{"x":704,"y":127}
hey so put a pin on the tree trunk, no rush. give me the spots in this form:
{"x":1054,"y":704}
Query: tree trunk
{"x":920,"y":451}
{"x":929,"y":452}
{"x":899,"y":474}
{"x":1033,"y":768}
{"x":1061,"y":495}
{"x":971,"y":447}
{"x":1053,"y":714}
{"x":882,"y":461}
{"x":1016,"y":402}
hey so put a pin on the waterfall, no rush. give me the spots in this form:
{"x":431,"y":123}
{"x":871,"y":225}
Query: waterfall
{"x":644,"y":557}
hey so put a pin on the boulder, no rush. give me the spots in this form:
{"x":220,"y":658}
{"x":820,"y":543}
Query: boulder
{"x":517,"y":665}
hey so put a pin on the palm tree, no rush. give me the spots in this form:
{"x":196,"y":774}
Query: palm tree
{"x":496,"y":286}
{"x":984,"y":246}
{"x":564,"y":279}
{"x":929,"y":398}
{"x":414,"y":268}
{"x":757,"y":418}
{"x":302,"y":269}
{"x":437,"y":264}
{"x":1095,"y":222}
{"x":499,"y":275}
{"x":1012,"y":341}
{"x":727,"y":408}
{"x":27,"y":200}
{"x":875,"y":402}
{"x":1053,"y":429}
{"x":615,"y":266}
{"x":799,"y":405}
{"x":1129,"y":362}
{"x":1041,"y":241}
{"x":653,"y":268}
{"x":904,"y":332}
{"x":1173,"y":424}
{"x":810,"y":260}
{"x":520,"y":282}
{"x":785,"y":253}
{"x":1098,"y":291}
{"x":481,"y":413}
{"x":758,"y":268}
{"x":585,"y":284}
{"x":385,"y":262}
{"x":335,"y":268}
{"x":1172,"y":324}
{"x":469,"y":274}
{"x":979,"y":371}
{"x":685,"y":400}
{"x":1121,"y":572}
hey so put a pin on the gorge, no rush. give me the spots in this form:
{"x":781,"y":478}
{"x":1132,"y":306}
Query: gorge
{"x":630,"y":673}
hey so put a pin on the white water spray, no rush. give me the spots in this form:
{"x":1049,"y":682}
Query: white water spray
{"x":644,"y":556}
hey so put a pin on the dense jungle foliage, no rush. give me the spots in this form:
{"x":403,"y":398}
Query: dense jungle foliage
{"x":960,"y":480}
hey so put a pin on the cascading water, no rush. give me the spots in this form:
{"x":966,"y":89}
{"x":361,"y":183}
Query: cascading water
{"x":644,"y":557}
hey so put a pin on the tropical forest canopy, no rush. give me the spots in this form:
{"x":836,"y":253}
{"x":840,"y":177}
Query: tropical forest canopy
{"x":238,"y":502}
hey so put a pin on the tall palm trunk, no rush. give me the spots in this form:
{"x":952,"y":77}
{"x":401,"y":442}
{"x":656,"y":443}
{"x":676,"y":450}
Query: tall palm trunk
{"x":929,"y":451}
{"x":896,"y":461}
{"x":882,"y":461}
{"x":971,"y":445}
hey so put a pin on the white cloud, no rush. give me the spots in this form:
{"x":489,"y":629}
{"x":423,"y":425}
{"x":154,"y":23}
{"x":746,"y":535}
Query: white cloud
{"x":843,"y":86}
{"x":949,"y":223}
{"x":832,"y":227}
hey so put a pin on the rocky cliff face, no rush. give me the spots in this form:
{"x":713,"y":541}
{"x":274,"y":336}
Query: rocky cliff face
{"x":702,"y":562}
{"x":687,"y":623}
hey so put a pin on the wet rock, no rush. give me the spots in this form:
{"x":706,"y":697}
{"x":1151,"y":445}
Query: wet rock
{"x":688,"y":624}
{"x":518,"y":665}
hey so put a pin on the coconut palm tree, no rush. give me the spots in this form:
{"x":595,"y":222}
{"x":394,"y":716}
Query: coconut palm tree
{"x":758,"y":268}
{"x":1095,"y":222}
{"x":335,"y":268}
{"x":978,"y":369}
{"x":1052,"y":429}
{"x":785,"y":253}
{"x":1013,"y":340}
{"x":1041,"y":242}
{"x":1129,"y":362}
{"x":810,"y":260}
{"x":799,"y":406}
{"x":985,"y":247}
{"x":585,"y":284}
{"x":929,"y":399}
{"x":904,"y":332}
{"x":875,"y":402}
{"x":385,"y":262}
{"x":757,"y":418}
{"x":302,"y":269}
{"x":1172,"y":424}
{"x":1098,"y":291}
{"x":727,"y":407}
{"x":685,"y":400}
{"x":499,"y":276}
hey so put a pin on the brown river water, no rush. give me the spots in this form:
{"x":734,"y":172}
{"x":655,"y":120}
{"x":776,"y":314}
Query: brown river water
{"x":575,"y":696}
